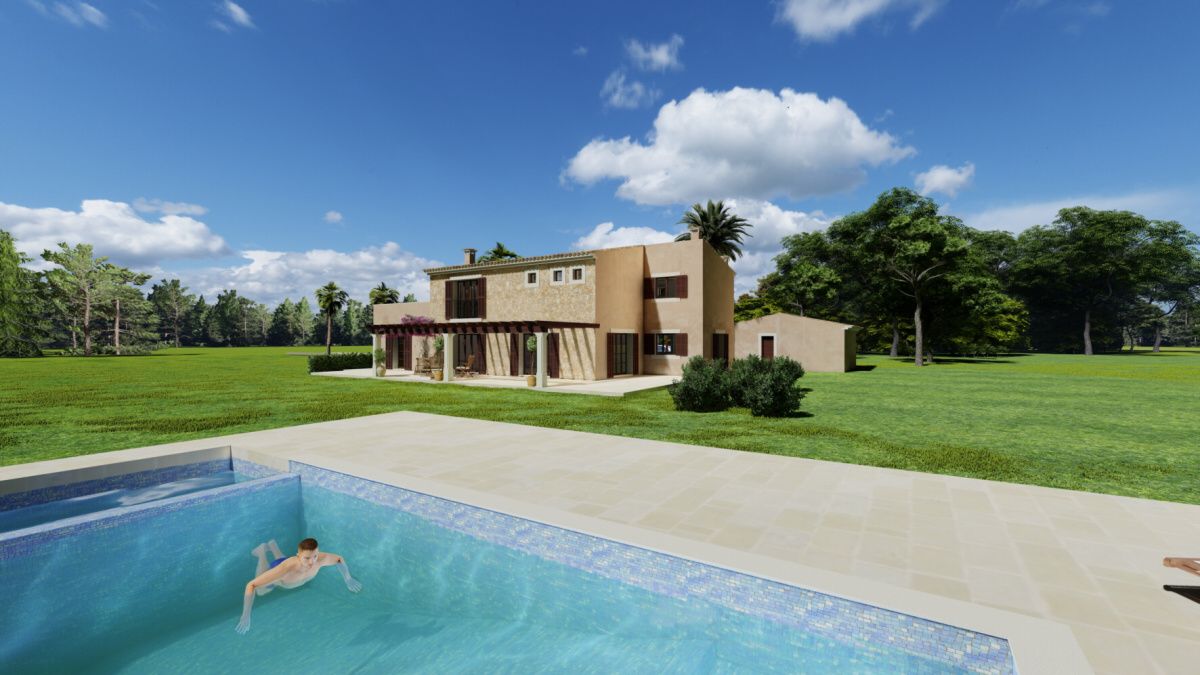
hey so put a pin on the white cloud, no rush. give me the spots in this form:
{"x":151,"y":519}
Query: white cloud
{"x":606,"y":235}
{"x":114,"y":229}
{"x":332,"y":217}
{"x":234,"y":13}
{"x":944,"y":179}
{"x":76,"y":13}
{"x":618,"y":93}
{"x":1179,"y":204}
{"x":824,"y":20}
{"x":742,"y":143}
{"x":580,"y":51}
{"x":658,"y":57}
{"x":270,"y":276}
{"x":169,"y":208}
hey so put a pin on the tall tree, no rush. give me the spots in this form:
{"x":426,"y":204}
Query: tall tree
{"x":1171,"y":271}
{"x":226,"y":325}
{"x":330,"y":299}
{"x":172,"y":303}
{"x":498,"y":252}
{"x":125,"y":307}
{"x":282,"y":324}
{"x":303,"y":323}
{"x":409,"y":297}
{"x":196,"y":324}
{"x":21,"y":303}
{"x":1088,"y":261}
{"x":716,"y":224}
{"x":382,"y":295}
{"x":79,"y":280}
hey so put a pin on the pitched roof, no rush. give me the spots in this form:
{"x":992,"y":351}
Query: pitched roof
{"x":492,"y":264}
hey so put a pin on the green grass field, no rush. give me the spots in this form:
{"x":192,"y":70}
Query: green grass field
{"x":1123,"y":424}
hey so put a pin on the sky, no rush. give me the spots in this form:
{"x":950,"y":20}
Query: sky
{"x":274,"y":145}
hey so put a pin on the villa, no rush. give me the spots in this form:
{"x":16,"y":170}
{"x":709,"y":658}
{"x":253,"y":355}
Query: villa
{"x":591,"y":314}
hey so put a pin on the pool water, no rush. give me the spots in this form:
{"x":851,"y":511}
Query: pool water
{"x":39,"y":514}
{"x":164,"y":595}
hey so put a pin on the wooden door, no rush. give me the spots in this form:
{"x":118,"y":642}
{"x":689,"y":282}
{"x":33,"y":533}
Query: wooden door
{"x":768,"y":347}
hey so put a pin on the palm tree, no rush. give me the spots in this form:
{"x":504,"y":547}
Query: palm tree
{"x":500,"y":252}
{"x":715,"y":224}
{"x":382,"y":295}
{"x":330,"y":299}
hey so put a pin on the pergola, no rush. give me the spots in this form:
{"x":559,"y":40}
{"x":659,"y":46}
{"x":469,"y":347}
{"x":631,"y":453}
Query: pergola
{"x":539,"y":327}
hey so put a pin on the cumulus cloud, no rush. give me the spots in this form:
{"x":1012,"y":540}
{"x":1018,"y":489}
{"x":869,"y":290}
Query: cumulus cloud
{"x":270,"y":276}
{"x":824,"y":20}
{"x":749,"y":143}
{"x":75,"y":13}
{"x":1164,"y":204}
{"x":333,"y":217}
{"x":236,"y":14}
{"x":607,"y":235}
{"x":944,"y":179}
{"x":659,"y":57}
{"x":170,"y":208}
{"x":115,"y":229}
{"x":618,"y":93}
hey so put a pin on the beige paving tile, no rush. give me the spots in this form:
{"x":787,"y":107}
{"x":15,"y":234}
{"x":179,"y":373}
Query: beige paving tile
{"x":1001,"y":589}
{"x":950,"y":588}
{"x":1113,"y":651}
{"x":1086,"y":608}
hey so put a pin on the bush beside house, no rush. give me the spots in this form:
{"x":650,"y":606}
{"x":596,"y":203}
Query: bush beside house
{"x":767,"y":387}
{"x":341,"y":361}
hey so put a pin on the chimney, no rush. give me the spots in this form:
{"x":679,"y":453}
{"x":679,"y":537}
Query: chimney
{"x":468,"y":256}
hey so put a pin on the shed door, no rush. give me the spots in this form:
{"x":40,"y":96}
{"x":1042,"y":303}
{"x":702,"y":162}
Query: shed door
{"x":768,"y":347}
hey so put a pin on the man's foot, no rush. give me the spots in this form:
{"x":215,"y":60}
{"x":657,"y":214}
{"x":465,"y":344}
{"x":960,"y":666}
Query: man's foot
{"x":259,"y":551}
{"x":274,"y":548}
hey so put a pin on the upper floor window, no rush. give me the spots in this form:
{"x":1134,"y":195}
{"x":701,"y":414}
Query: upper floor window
{"x":531,"y":278}
{"x":666,"y":287}
{"x":577,"y":275}
{"x":558,"y":276}
{"x":465,"y":298}
{"x":665,"y":343}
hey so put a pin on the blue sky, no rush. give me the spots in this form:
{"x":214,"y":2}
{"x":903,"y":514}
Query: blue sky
{"x":272,"y":145}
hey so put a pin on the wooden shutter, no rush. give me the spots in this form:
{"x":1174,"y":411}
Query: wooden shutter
{"x":407,"y":352}
{"x":611,"y":339}
{"x":481,"y":353}
{"x":514,"y":353}
{"x":648,"y":347}
{"x":482,"y":297}
{"x":552,"y":354}
{"x":449,"y":299}
{"x":681,"y":286}
{"x":647,"y":289}
{"x":681,"y":344}
{"x":391,"y":353}
{"x":635,"y":354}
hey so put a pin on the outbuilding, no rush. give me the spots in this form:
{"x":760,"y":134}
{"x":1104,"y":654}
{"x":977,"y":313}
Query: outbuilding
{"x":819,"y":346}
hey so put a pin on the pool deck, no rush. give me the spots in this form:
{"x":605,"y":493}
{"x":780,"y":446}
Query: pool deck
{"x":1072,"y":579}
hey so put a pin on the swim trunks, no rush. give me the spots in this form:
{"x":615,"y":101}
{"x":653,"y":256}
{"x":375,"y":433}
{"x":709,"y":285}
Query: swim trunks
{"x":276,"y":563}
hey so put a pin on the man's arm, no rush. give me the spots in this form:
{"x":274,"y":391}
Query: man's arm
{"x":269,"y":577}
{"x":1191,"y":565}
{"x":335,"y":559}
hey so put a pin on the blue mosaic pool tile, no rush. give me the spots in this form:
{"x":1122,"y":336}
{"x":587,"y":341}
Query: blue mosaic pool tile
{"x":870,"y":628}
{"x":166,"y":474}
{"x":22,"y":542}
{"x":250,"y":469}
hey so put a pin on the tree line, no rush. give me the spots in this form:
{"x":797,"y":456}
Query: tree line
{"x":87,"y":305}
{"x":920,"y":282}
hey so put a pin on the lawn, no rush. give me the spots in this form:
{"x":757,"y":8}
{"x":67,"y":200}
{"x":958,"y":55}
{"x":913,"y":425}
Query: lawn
{"x":1122,"y":424}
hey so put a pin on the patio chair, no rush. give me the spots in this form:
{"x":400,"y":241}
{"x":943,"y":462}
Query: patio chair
{"x":467,"y":370}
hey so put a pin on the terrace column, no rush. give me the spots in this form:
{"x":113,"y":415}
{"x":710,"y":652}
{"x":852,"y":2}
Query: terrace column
{"x":376,"y":343}
{"x":447,"y":356}
{"x":541,"y":359}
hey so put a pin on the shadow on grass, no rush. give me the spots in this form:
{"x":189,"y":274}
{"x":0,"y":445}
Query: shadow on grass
{"x":862,"y":368}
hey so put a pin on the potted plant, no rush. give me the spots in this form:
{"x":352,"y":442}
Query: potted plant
{"x":531,"y":347}
{"x":380,"y":362}
{"x":436,"y":369}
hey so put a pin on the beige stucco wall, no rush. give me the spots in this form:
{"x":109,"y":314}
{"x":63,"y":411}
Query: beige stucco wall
{"x":708,"y":307}
{"x":618,"y":299}
{"x":508,"y":299}
{"x":393,"y":313}
{"x":718,"y":301}
{"x":819,"y":346}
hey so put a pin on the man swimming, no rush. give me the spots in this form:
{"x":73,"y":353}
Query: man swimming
{"x":289,"y":572}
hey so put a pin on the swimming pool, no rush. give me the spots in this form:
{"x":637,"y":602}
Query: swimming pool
{"x":447,"y":588}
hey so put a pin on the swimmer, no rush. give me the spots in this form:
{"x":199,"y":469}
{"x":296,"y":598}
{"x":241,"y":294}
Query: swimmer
{"x":292,"y":572}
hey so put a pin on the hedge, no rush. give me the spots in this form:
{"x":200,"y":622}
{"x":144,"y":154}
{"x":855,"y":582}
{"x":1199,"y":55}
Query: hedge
{"x":340,"y":361}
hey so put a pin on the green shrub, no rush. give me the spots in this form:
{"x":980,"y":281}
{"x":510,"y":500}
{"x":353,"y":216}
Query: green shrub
{"x":703,"y":387}
{"x":773,"y":392}
{"x":340,"y":361}
{"x":742,"y":373}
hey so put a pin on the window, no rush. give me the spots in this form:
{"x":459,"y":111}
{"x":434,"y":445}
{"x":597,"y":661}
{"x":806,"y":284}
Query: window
{"x":577,"y":275}
{"x":531,"y":278}
{"x":664,"y":343}
{"x":464,"y":299}
{"x":661,"y":288}
{"x":558,"y":276}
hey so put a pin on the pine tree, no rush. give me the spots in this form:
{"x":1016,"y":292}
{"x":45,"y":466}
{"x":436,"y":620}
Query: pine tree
{"x":20,"y":300}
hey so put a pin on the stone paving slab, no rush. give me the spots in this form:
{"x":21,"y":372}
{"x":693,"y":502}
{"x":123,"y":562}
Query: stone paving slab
{"x":618,"y":386}
{"x":1087,"y":561}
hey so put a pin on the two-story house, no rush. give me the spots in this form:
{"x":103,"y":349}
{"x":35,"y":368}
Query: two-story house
{"x":591,"y":314}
